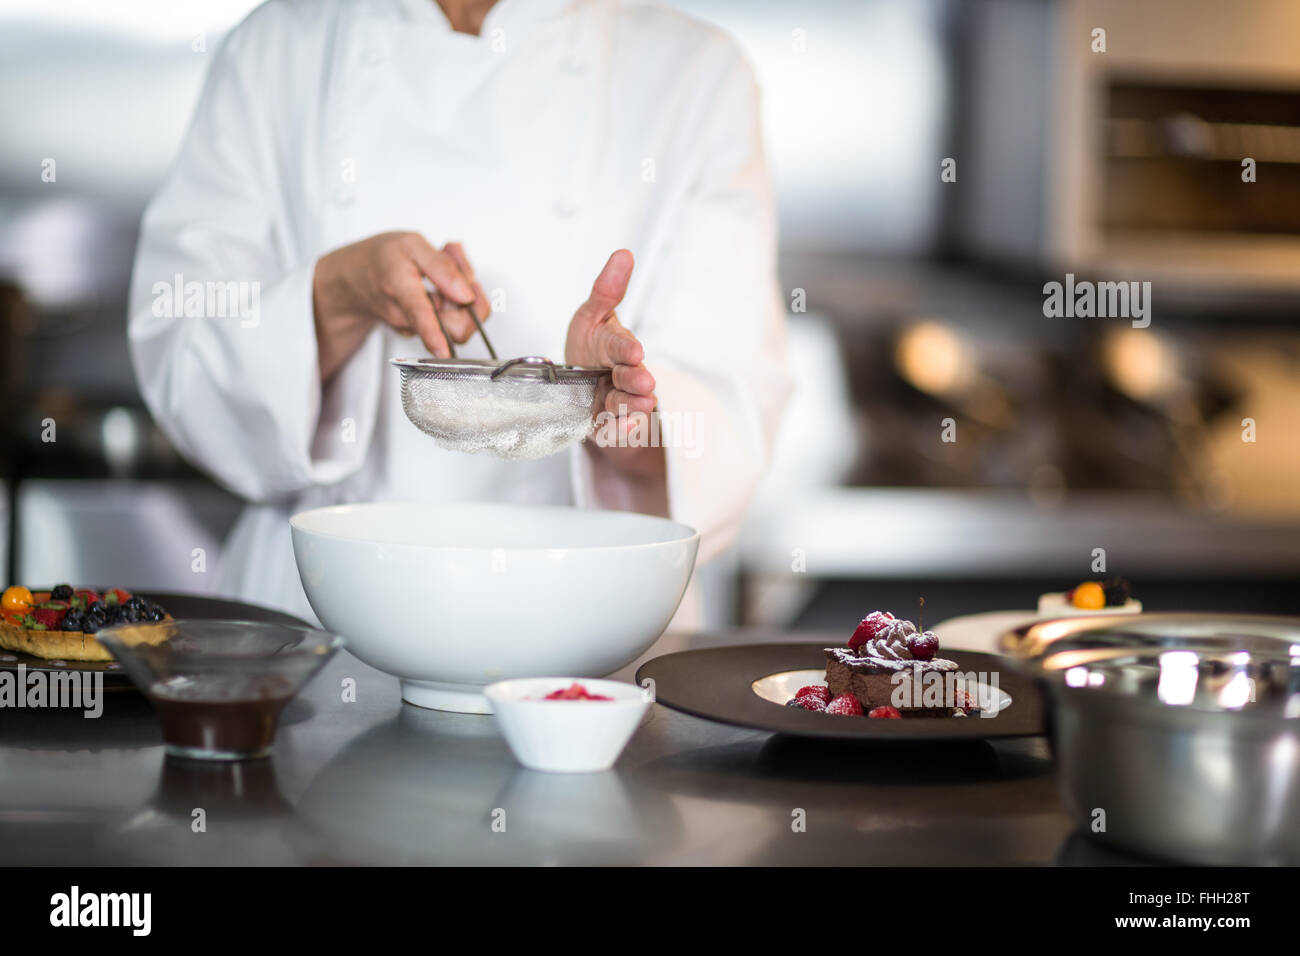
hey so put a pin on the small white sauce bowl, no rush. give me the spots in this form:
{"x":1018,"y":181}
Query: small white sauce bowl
{"x":566,"y":736}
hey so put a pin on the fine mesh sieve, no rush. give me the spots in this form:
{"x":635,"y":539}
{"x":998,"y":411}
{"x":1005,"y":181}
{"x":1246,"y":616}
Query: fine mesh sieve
{"x":525,"y":408}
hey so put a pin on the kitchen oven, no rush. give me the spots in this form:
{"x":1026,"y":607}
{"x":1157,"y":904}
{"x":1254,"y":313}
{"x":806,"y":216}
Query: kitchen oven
{"x":1119,"y":138}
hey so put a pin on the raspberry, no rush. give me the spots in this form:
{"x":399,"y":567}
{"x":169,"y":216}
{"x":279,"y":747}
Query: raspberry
{"x":575,"y":691}
{"x":964,"y":700}
{"x":870,"y":626}
{"x":846,"y":705}
{"x":889,"y":713}
{"x":820,"y":691}
{"x":116,"y":596}
{"x":48,"y":617}
{"x":923,"y":647}
{"x":808,"y":703}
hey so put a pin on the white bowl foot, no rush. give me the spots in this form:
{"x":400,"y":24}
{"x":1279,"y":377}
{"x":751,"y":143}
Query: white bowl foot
{"x":457,"y":698}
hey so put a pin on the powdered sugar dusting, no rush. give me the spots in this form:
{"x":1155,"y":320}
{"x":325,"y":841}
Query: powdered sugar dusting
{"x":509,"y":420}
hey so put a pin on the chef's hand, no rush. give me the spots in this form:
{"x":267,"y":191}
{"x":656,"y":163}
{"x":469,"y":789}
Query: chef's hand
{"x":381,"y":279}
{"x":596,"y":338}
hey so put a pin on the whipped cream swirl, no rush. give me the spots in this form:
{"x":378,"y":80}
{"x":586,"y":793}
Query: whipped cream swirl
{"x":890,"y":644}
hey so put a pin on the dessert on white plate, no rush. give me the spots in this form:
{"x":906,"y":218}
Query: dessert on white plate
{"x":980,"y":632}
{"x":1108,"y":596}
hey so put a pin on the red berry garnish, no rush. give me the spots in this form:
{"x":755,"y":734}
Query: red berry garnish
{"x":575,"y":691}
{"x":964,"y":700}
{"x":870,"y":626}
{"x":889,"y":713}
{"x":808,"y":703}
{"x":51,"y":618}
{"x":846,"y":705}
{"x":923,"y":647}
{"x":815,"y":690}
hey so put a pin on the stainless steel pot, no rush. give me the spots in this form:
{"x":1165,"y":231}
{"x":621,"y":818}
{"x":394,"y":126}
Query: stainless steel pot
{"x":1176,"y":735}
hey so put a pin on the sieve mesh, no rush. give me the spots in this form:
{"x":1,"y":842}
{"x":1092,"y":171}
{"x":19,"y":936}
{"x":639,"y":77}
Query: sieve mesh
{"x":521,"y":413}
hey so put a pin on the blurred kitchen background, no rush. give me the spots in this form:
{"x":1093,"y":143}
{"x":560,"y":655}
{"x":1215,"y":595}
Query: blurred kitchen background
{"x":923,"y":300}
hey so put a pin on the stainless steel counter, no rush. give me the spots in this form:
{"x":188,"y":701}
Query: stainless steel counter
{"x":376,"y":781}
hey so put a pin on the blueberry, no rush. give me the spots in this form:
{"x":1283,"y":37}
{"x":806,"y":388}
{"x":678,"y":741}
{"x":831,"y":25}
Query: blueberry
{"x":73,"y":621}
{"x":61,"y":592}
{"x":1116,"y":589}
{"x":156,"y":613}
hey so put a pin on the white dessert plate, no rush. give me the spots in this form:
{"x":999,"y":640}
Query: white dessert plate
{"x":980,"y":632}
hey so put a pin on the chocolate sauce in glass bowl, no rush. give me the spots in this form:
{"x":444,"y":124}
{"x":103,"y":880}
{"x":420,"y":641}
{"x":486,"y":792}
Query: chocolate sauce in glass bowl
{"x":219,"y":686}
{"x":219,"y":717}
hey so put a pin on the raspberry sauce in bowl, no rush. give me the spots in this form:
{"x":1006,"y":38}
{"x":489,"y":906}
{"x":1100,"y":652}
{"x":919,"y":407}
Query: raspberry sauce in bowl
{"x":219,"y":687}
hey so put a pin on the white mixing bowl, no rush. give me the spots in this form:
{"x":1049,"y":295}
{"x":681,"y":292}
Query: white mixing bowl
{"x":448,"y":598}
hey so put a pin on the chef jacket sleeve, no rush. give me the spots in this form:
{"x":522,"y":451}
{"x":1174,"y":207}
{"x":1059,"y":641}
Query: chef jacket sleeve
{"x":712,"y":322}
{"x":229,"y":366}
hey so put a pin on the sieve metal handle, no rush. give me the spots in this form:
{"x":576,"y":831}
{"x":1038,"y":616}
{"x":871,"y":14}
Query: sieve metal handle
{"x":486,"y":341}
{"x":451,"y":346}
{"x":446,"y":336}
{"x":534,"y":360}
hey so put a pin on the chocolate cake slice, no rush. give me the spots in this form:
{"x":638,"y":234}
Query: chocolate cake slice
{"x":873,"y":680}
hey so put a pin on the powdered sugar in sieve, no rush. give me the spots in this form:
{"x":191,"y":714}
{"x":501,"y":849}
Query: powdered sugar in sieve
{"x":523,"y":409}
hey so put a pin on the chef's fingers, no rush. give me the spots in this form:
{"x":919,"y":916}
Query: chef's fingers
{"x":633,"y":379}
{"x":457,"y":252}
{"x":413,"y":309}
{"x":614,"y":345}
{"x":619,"y":402}
{"x":482,"y":308}
{"x":440,"y":269}
{"x":460,"y":325}
{"x":607,"y":291}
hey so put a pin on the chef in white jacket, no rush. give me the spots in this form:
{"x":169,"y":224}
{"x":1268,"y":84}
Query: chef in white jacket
{"x":587,"y":174}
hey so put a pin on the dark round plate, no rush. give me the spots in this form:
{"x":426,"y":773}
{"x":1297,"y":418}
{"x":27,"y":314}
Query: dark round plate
{"x":718,"y":684}
{"x":178,"y":606}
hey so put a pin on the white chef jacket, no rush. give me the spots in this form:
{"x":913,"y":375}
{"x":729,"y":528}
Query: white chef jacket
{"x":565,"y":130}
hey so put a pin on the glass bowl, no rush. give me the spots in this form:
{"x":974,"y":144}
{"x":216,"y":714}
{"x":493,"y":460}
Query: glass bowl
{"x":219,"y":687}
